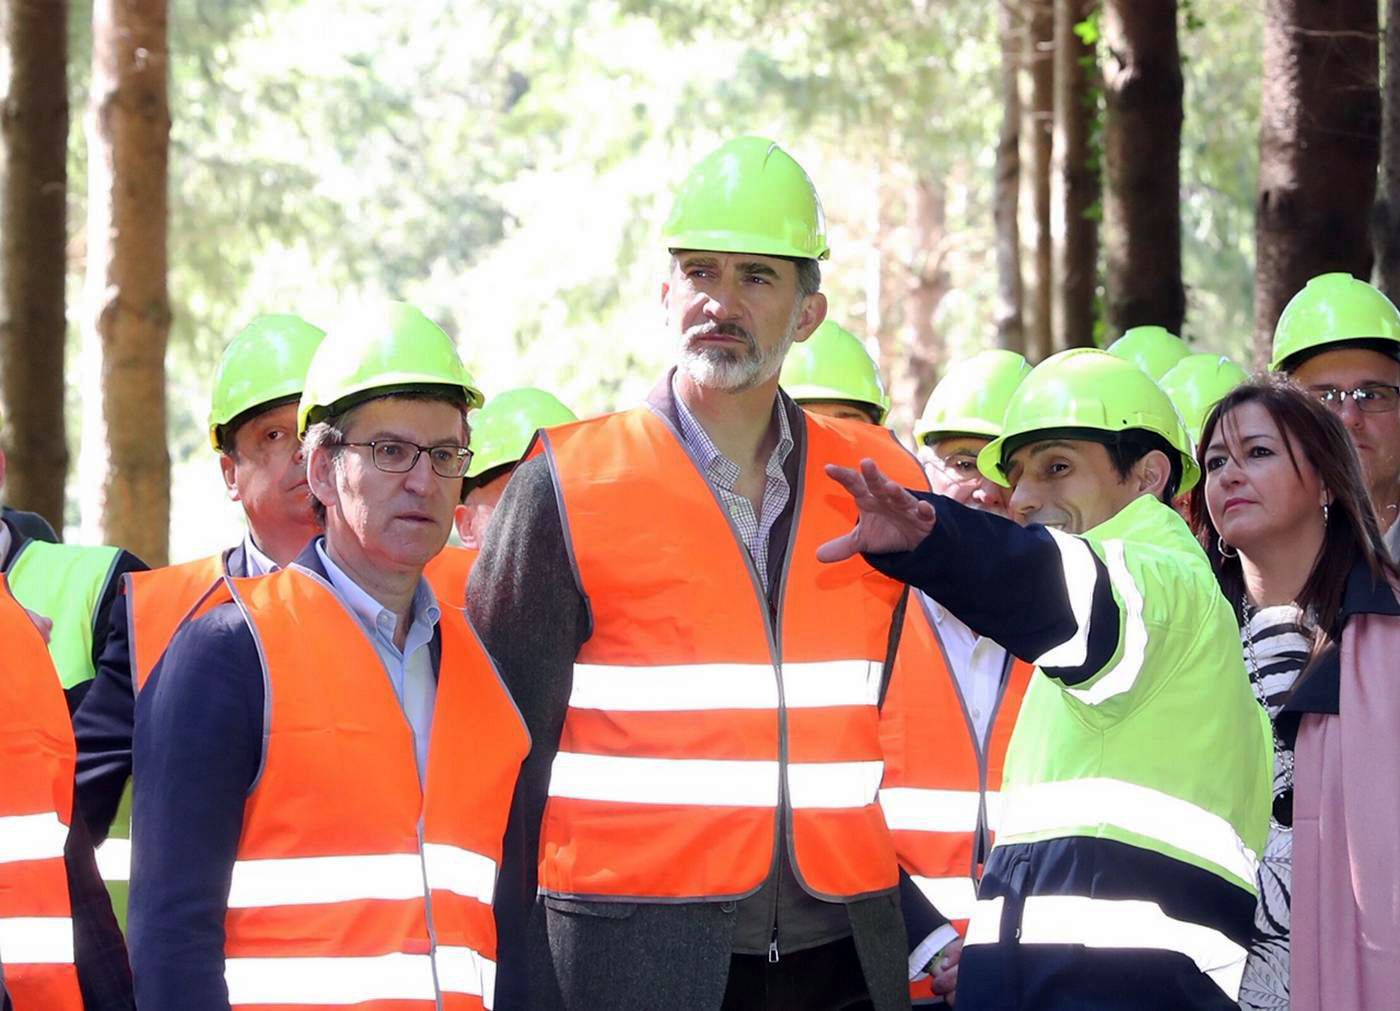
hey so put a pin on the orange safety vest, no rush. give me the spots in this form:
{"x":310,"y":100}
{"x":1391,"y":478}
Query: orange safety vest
{"x":37,"y":759}
{"x":157,"y":601}
{"x":351,"y":884}
{"x":447,"y":574}
{"x":941,"y":792}
{"x":693,"y":716}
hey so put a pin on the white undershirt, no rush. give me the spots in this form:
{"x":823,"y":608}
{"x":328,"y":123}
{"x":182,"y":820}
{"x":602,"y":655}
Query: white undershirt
{"x":4,"y":540}
{"x":257,"y":563}
{"x":977,"y":665}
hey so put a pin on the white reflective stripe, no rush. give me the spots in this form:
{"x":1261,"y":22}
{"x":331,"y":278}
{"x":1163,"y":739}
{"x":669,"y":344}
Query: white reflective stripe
{"x":953,"y":897}
{"x":833,"y":784}
{"x":1086,"y":803}
{"x":1124,"y":674}
{"x":994,"y":808}
{"x":329,"y":980}
{"x":913,"y":809}
{"x":114,"y":860}
{"x":297,"y":881}
{"x":31,"y":837}
{"x":36,"y":940}
{"x":1081,"y":574}
{"x":1116,"y":923}
{"x":674,"y":688}
{"x":462,"y":970}
{"x":824,"y":683}
{"x":460,"y":871}
{"x":684,"y":781}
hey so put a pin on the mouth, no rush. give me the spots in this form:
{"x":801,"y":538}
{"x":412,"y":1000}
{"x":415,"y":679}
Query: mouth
{"x":416,"y":517}
{"x":1233,"y":502}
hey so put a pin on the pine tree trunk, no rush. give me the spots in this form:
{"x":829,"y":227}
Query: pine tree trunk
{"x":33,"y":240}
{"x":1010,"y":327}
{"x":128,"y":147}
{"x":1076,"y":181}
{"x":1319,"y":145}
{"x":1385,"y":221}
{"x":1037,"y":123}
{"x":1142,"y":172}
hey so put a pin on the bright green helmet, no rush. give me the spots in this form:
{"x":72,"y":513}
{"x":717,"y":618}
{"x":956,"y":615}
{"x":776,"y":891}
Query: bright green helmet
{"x":1334,"y":309}
{"x":1196,"y":384}
{"x":749,"y":196}
{"x":1154,"y":349}
{"x":833,"y":364}
{"x":1085,"y":388}
{"x":391,"y":348}
{"x":502,"y":430}
{"x":971,"y":397}
{"x":264,"y":364}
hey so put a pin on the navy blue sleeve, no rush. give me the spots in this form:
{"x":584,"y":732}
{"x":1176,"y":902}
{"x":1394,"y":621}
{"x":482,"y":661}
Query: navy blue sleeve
{"x":197,"y":749}
{"x":102,"y":726}
{"x":1009,"y":583}
{"x":99,"y":950}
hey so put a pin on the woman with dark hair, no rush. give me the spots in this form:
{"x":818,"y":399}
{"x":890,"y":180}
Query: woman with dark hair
{"x":1284,"y":516}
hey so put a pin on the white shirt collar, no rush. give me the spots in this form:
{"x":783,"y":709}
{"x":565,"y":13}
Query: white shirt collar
{"x":368,"y":611}
{"x":5,"y":539}
{"x":257,"y":563}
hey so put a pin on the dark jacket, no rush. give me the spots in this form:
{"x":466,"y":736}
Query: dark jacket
{"x":31,"y":525}
{"x":526,"y":604}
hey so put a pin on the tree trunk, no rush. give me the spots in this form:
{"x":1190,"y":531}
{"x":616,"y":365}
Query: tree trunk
{"x":1319,"y":144}
{"x":128,"y":147}
{"x":922,"y":349}
{"x":1010,"y":327}
{"x":1037,"y":122}
{"x":1385,"y":222}
{"x":33,"y":241}
{"x":1076,"y":180}
{"x":1142,"y":172}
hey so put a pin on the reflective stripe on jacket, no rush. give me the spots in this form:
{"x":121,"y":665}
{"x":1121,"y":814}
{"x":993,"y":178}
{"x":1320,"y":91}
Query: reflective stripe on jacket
{"x":694,"y":714}
{"x":351,"y":885}
{"x":37,"y":758}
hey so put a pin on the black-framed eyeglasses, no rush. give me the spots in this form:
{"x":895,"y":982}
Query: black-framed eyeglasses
{"x":1374,"y":398}
{"x":394,"y":456}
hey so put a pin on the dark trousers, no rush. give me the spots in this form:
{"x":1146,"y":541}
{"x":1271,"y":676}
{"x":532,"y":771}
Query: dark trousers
{"x":827,"y":978}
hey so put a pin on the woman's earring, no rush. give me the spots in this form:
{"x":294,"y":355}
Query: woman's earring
{"x":1225,"y":550}
{"x":1324,"y":514}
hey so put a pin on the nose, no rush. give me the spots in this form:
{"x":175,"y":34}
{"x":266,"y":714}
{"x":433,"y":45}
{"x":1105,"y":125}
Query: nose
{"x":420,"y":477}
{"x":1349,"y":413}
{"x":1023,"y":502}
{"x":722,"y":298}
{"x":990,"y":495}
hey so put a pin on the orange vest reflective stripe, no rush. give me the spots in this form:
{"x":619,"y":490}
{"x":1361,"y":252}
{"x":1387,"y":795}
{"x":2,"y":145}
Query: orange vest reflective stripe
{"x":690,"y":713}
{"x":940,"y":792}
{"x":37,"y":758}
{"x":156,"y":602}
{"x":352,"y":885}
{"x":447,"y":574}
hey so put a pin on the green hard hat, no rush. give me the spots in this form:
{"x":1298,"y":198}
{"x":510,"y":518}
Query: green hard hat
{"x":389,"y":348}
{"x":971,"y":397}
{"x":502,"y":430}
{"x":1196,"y":384}
{"x":1334,"y":309}
{"x":1154,"y":349}
{"x":749,"y":196}
{"x":833,"y":364}
{"x":1089,"y":389}
{"x":265,"y":363}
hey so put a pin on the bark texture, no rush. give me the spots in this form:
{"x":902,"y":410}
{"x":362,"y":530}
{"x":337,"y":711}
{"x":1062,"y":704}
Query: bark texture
{"x":128,"y":149}
{"x":1142,"y":166}
{"x":1075,"y":182}
{"x":1319,"y":144}
{"x":1010,"y":326}
{"x":1385,"y":230}
{"x":1037,"y":76}
{"x":33,"y":240}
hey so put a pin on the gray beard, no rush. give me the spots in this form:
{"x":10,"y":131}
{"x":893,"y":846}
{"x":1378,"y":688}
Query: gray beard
{"x":732,"y":371}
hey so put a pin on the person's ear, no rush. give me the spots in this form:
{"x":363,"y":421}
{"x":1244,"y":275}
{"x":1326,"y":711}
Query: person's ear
{"x":1152,"y":473}
{"x":320,"y":475}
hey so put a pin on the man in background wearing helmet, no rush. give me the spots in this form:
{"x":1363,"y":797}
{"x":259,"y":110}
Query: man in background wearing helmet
{"x":1195,"y":385}
{"x":502,"y":431}
{"x":252,"y":426}
{"x":1154,"y":349}
{"x":326,"y":756}
{"x":831,"y":373}
{"x":955,"y":695}
{"x":1340,"y":338}
{"x":697,"y":824}
{"x":1137,"y":784}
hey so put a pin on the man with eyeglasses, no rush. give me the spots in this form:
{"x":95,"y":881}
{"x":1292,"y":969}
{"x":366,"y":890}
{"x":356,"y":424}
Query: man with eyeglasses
{"x":325,"y":757}
{"x":1340,"y":338}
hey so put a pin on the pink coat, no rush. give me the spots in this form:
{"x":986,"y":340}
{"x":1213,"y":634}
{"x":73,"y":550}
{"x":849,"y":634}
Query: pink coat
{"x":1345,"y":946}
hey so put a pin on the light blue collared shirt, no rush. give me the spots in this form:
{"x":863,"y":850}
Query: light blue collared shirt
{"x":410,"y":670}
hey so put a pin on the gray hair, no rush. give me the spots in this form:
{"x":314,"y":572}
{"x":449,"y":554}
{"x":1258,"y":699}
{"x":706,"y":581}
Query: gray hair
{"x":329,"y":432}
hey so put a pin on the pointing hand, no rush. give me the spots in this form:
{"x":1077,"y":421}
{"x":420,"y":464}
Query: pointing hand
{"x":890,"y":518}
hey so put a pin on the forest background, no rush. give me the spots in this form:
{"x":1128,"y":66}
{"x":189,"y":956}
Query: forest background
{"x":1033,"y":174}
